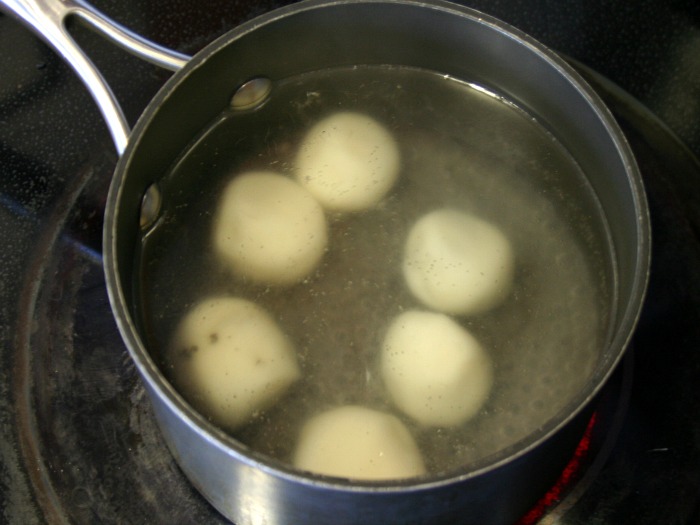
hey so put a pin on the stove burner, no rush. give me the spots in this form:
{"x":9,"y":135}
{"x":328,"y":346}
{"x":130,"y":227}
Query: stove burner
{"x":569,"y":475}
{"x":592,"y":452}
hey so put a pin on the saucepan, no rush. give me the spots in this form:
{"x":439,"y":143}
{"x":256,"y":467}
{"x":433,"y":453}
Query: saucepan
{"x":485,"y":130}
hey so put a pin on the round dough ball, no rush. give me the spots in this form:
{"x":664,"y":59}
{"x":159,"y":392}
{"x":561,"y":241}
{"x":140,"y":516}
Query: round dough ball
{"x":358,"y":443}
{"x":434,"y":370}
{"x":348,"y":161}
{"x":457,"y":263}
{"x":231,"y":360}
{"x":270,"y":229}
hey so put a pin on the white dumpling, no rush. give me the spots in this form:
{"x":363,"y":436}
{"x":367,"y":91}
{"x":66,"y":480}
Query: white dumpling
{"x":457,"y":263}
{"x":270,"y":229}
{"x":434,"y":370}
{"x":231,"y":360}
{"x":348,"y":161}
{"x":358,"y":443}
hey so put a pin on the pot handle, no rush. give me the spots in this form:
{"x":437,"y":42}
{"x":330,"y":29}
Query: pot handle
{"x":47,"y":19}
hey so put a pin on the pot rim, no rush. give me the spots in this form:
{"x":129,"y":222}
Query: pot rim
{"x":155,"y":379}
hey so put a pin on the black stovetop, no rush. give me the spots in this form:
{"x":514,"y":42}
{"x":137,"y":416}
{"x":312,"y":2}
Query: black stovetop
{"x":78,"y":443}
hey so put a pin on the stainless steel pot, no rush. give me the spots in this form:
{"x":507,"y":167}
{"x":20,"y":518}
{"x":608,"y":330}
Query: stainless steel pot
{"x":250,"y":488}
